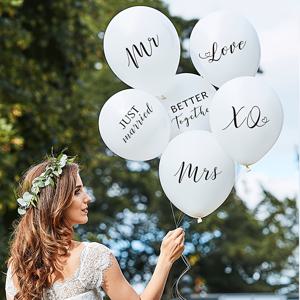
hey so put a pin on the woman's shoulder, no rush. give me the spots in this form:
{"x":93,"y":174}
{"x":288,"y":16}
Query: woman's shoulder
{"x":98,"y":258}
{"x":97,"y":246}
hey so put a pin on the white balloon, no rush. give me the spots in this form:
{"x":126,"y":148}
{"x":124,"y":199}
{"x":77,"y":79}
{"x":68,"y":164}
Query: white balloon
{"x":246,"y":117}
{"x":195,"y":173}
{"x":223,"y":46}
{"x":134,"y":125}
{"x":142,"y":48}
{"x":187,"y":101}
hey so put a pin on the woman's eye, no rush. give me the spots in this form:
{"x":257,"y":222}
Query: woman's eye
{"x":77,"y":192}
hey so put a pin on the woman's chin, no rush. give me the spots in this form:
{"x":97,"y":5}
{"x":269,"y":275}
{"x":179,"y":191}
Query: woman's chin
{"x":83,"y":220}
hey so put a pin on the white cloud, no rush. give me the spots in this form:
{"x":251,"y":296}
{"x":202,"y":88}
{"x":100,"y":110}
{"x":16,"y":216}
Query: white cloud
{"x":248,"y":186}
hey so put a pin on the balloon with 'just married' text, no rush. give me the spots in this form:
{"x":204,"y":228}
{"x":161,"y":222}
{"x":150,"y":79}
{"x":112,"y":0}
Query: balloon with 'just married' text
{"x":134,"y":125}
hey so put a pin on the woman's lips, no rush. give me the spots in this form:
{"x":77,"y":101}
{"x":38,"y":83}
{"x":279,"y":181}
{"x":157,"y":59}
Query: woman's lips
{"x":85,"y":211}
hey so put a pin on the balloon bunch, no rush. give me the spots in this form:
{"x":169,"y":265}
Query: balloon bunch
{"x":198,"y":131}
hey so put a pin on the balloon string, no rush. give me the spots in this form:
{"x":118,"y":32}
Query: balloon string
{"x":183,"y":257}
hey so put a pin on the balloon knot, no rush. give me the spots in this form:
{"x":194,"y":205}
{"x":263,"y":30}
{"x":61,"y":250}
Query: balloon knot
{"x":199,"y":220}
{"x":162,"y":97}
{"x":248,"y":168}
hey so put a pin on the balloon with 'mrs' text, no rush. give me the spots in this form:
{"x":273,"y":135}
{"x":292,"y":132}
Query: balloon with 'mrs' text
{"x":195,"y":173}
{"x":187,"y":102}
{"x":134,"y":125}
{"x":223,"y":46}
{"x":246,"y":117}
{"x":142,"y":48}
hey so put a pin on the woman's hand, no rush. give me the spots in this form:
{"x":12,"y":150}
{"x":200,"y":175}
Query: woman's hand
{"x":172,"y":245}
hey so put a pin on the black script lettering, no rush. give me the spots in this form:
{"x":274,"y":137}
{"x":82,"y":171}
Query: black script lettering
{"x":195,"y":173}
{"x":253,"y":119}
{"x":141,"y":50}
{"x":139,"y":120}
{"x":216,"y":55}
{"x":196,"y":112}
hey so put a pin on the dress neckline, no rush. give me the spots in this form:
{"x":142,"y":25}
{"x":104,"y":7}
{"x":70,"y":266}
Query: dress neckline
{"x":77,"y":271}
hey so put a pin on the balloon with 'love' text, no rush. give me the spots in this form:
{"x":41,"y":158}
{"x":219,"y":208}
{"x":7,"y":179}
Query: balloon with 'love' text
{"x":246,"y":117}
{"x":187,"y":102}
{"x":142,"y":48}
{"x":134,"y":125}
{"x":195,"y":173}
{"x":223,"y":46}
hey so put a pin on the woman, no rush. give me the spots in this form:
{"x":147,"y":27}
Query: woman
{"x":46,"y":263}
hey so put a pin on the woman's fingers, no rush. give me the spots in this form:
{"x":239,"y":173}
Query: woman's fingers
{"x":168,"y":235}
{"x":174,"y":233}
{"x":173,"y":244}
{"x":180,"y":240}
{"x":177,"y":232}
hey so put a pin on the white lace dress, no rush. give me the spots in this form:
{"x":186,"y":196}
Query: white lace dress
{"x":85,"y":284}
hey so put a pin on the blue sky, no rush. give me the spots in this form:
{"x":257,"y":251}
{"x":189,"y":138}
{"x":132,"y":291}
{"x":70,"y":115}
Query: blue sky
{"x":277,"y":25}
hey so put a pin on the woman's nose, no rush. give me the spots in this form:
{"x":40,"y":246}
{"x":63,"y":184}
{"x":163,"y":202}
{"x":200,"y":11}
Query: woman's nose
{"x":87,"y":197}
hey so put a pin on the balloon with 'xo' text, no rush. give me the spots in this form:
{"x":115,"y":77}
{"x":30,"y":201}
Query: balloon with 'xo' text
{"x":195,"y":173}
{"x":246,"y":117}
{"x":142,"y":48}
{"x":187,"y":100}
{"x":223,"y":46}
{"x":134,"y":125}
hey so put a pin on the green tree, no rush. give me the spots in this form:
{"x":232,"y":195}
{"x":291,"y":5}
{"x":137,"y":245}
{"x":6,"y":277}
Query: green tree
{"x":245,"y":251}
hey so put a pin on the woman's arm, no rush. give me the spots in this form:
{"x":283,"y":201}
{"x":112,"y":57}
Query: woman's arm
{"x":8,"y":297}
{"x":11,"y":284}
{"x":117,"y":287}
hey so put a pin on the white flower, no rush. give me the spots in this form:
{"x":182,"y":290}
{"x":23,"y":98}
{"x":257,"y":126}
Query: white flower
{"x":21,"y":211}
{"x":63,"y":160}
{"x":21,"y":202}
{"x":27,"y":197}
{"x":35,"y":189}
{"x":49,"y":181}
{"x":40,"y":184}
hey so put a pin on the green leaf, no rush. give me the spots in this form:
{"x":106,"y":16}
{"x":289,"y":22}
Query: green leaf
{"x":71,"y":160}
{"x":52,"y":183}
{"x":40,"y":184}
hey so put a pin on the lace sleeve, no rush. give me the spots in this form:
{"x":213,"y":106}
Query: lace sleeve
{"x":103,"y":260}
{"x":9,"y":285}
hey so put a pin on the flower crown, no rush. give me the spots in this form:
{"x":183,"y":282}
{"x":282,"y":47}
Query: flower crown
{"x":53,"y":171}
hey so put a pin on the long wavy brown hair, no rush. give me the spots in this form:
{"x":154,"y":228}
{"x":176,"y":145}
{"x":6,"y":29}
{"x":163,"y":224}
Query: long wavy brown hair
{"x":42,"y":236}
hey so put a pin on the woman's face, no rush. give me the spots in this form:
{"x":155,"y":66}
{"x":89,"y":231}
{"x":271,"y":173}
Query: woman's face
{"x":77,"y":213}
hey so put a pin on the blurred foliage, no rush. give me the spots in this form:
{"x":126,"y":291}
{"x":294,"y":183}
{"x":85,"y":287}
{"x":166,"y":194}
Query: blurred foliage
{"x":53,"y":82}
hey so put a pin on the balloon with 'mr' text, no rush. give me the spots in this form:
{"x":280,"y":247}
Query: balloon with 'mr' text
{"x":246,"y":117}
{"x":142,"y":48}
{"x":195,"y":173}
{"x":224,"y":46}
{"x":134,"y":125}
